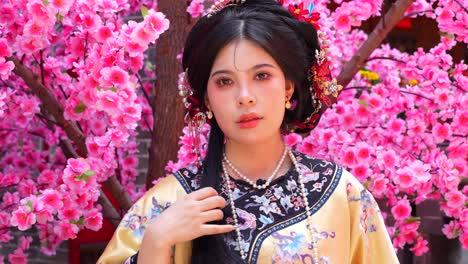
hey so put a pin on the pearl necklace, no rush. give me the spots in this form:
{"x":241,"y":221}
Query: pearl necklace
{"x":313,"y":234}
{"x":254,"y":184}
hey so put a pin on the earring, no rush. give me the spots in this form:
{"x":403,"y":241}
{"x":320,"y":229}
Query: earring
{"x":288,"y":105}
{"x":209,"y":114}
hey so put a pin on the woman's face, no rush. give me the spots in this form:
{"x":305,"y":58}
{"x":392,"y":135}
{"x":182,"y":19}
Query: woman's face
{"x":247,"y":91}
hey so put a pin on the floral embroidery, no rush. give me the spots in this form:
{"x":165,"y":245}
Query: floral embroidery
{"x":137,"y":223}
{"x":257,"y":210}
{"x":295,"y":247}
{"x":369,"y":208}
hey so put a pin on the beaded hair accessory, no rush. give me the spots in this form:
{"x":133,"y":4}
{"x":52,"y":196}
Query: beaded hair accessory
{"x":220,"y":4}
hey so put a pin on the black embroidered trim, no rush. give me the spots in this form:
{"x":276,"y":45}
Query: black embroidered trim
{"x":183,"y":181}
{"x":317,"y":198}
{"x":255,"y":250}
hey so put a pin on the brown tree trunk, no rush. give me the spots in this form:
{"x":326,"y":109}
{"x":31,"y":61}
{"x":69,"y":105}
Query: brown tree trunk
{"x":167,"y":104}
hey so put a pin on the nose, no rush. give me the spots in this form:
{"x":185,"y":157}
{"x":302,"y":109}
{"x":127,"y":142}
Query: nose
{"x":246,"y":96}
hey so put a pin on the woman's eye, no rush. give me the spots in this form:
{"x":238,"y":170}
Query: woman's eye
{"x":263,"y":76}
{"x":223,"y":82}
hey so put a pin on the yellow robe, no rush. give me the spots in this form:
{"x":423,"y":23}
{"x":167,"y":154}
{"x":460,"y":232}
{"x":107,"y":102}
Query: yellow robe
{"x":345,"y":215}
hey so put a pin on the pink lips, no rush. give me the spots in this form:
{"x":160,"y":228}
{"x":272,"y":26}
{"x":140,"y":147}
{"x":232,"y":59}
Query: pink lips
{"x":250,"y":120}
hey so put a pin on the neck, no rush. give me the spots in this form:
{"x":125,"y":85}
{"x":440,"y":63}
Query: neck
{"x":257,"y":161}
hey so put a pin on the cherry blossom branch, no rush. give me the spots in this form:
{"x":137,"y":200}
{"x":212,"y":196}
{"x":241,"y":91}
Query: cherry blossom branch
{"x":417,"y":13}
{"x":50,"y":102}
{"x":41,"y":65}
{"x":356,"y":88}
{"x":384,"y":58}
{"x":460,"y":4}
{"x":144,"y":92}
{"x":388,"y":21}
{"x":53,"y":107}
{"x":416,"y":94}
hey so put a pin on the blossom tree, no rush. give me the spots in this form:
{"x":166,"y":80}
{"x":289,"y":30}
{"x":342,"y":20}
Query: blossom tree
{"x":73,"y":100}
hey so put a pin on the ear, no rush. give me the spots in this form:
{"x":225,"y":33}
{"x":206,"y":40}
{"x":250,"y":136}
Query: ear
{"x":207,"y":103}
{"x":289,"y":90}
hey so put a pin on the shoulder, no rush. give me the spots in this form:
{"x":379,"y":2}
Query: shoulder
{"x":189,"y":178}
{"x":340,"y":179}
{"x":308,"y":164}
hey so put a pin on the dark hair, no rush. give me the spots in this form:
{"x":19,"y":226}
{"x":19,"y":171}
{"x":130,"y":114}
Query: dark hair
{"x":290,"y":42}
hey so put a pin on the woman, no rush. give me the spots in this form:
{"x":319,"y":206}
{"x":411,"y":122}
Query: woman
{"x":252,"y":200}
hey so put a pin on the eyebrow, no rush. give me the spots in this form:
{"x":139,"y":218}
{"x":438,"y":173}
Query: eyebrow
{"x":258,"y":66}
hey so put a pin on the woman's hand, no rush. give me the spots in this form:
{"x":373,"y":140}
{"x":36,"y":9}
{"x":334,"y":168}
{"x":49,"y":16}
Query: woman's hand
{"x":183,"y":221}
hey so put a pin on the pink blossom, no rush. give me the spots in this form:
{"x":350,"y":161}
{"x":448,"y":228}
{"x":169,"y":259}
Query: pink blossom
{"x":69,"y":213}
{"x":451,"y":230}
{"x":292,"y":139}
{"x":93,"y":220}
{"x":130,"y":161}
{"x":461,"y":118}
{"x":379,"y":185}
{"x":103,"y":33}
{"x":396,"y":126}
{"x":455,"y":199}
{"x":62,"y":6}
{"x":195,"y":9}
{"x":114,"y":76}
{"x":360,"y":171}
{"x":389,"y":159}
{"x":23,"y":218}
{"x":46,"y":177}
{"x":5,"y":50}
{"x":51,"y":199}
{"x":464,"y":240}
{"x":420,"y":246}
{"x":18,"y":257}
{"x":24,"y":243}
{"x":343,"y":22}
{"x":108,"y":101}
{"x":441,"y":132}
{"x":78,"y":165}
{"x":404,"y":177}
{"x":65,"y":230}
{"x":157,"y":22}
{"x":39,"y":11}
{"x":142,"y":35}
{"x":6,"y":67}
{"x":349,"y":158}
{"x":363,"y":152}
{"x":402,"y":210}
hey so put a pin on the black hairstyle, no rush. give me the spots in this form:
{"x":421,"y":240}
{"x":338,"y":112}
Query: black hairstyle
{"x":290,"y":42}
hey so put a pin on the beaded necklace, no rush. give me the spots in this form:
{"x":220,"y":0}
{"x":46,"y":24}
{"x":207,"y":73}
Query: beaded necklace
{"x":254,"y":184}
{"x":313,"y":234}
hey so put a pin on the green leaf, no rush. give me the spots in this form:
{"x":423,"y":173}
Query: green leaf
{"x":59,"y":17}
{"x":144,"y":11}
{"x":89,"y":173}
{"x":45,"y":2}
{"x":30,"y":205}
{"x":80,"y":108}
{"x":363,"y":103}
{"x":149,"y":66}
{"x":413,"y":219}
{"x":85,"y":176}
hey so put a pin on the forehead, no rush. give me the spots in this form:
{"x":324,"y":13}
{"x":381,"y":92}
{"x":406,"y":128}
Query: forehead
{"x":241,"y":55}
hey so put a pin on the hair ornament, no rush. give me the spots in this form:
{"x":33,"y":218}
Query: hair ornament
{"x":319,"y":75}
{"x":220,"y":4}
